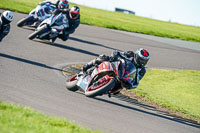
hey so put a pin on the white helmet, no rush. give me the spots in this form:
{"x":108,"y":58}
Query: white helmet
{"x":142,"y":56}
{"x":7,"y":17}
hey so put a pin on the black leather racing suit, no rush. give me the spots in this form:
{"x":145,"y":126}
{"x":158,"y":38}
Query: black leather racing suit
{"x":4,"y":29}
{"x":125,"y":58}
{"x":73,"y":24}
{"x":45,"y":2}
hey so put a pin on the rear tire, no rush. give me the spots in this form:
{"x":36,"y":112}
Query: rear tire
{"x":101,"y":90}
{"x":38,"y":32}
{"x":24,"y":21}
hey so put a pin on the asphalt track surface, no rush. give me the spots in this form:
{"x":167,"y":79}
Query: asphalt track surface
{"x":30,"y":75}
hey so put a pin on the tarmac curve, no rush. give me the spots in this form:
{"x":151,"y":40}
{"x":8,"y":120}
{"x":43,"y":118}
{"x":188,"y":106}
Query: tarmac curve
{"x":30,"y":74}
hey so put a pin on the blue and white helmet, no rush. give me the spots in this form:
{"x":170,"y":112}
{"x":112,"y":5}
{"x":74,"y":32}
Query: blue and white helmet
{"x":6,"y":17}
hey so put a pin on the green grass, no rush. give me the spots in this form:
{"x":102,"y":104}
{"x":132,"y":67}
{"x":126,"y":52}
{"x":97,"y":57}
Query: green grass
{"x":179,"y":90}
{"x":17,"y":119}
{"x":119,"y":21}
{"x":24,"y":6}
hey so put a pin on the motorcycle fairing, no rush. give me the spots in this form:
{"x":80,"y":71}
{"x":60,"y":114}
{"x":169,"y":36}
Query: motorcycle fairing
{"x":39,"y":12}
{"x":103,"y":67}
{"x":84,"y":81}
{"x":56,"y":22}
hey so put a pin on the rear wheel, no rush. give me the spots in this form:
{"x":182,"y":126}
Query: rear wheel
{"x":24,"y":21}
{"x":71,"y":84}
{"x":38,"y":32}
{"x":96,"y":90}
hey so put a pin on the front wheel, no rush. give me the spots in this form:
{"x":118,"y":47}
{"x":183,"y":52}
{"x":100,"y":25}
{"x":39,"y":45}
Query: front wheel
{"x":100,"y":89}
{"x":24,"y":21}
{"x":38,"y":32}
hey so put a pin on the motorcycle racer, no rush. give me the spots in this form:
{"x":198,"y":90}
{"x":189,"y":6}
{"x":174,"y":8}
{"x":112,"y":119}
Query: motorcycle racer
{"x":60,"y":5}
{"x":139,"y":60}
{"x":73,"y":16}
{"x":42,"y":11}
{"x":5,"y":19}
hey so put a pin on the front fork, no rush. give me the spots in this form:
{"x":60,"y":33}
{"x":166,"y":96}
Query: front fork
{"x":47,"y":30}
{"x":118,"y":87}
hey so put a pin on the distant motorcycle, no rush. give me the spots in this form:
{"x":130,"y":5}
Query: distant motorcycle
{"x":51,"y":27}
{"x":101,"y":79}
{"x":37,"y":15}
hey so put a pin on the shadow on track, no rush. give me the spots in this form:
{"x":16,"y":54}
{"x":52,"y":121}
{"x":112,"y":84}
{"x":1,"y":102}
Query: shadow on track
{"x":68,"y":47}
{"x":150,"y":110}
{"x":28,"y":61}
{"x":147,"y":109}
{"x":92,"y":43}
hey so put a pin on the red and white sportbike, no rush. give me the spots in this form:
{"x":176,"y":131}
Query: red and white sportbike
{"x":105,"y":78}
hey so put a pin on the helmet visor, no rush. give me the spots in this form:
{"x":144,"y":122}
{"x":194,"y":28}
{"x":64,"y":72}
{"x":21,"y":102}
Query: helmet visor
{"x":74,"y":15}
{"x":141,"y":62}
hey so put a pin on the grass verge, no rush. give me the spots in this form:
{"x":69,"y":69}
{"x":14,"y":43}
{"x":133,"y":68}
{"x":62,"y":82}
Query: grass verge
{"x":178,"y":90}
{"x":17,"y":119}
{"x":119,"y":21}
{"x":174,"y":91}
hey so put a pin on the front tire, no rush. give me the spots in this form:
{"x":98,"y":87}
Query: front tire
{"x":38,"y":32}
{"x":101,"y":90}
{"x":24,"y":21}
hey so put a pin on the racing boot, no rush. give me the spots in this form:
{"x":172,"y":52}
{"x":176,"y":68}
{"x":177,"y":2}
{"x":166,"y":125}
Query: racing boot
{"x":87,"y":66}
{"x":95,"y":62}
{"x":53,"y":39}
